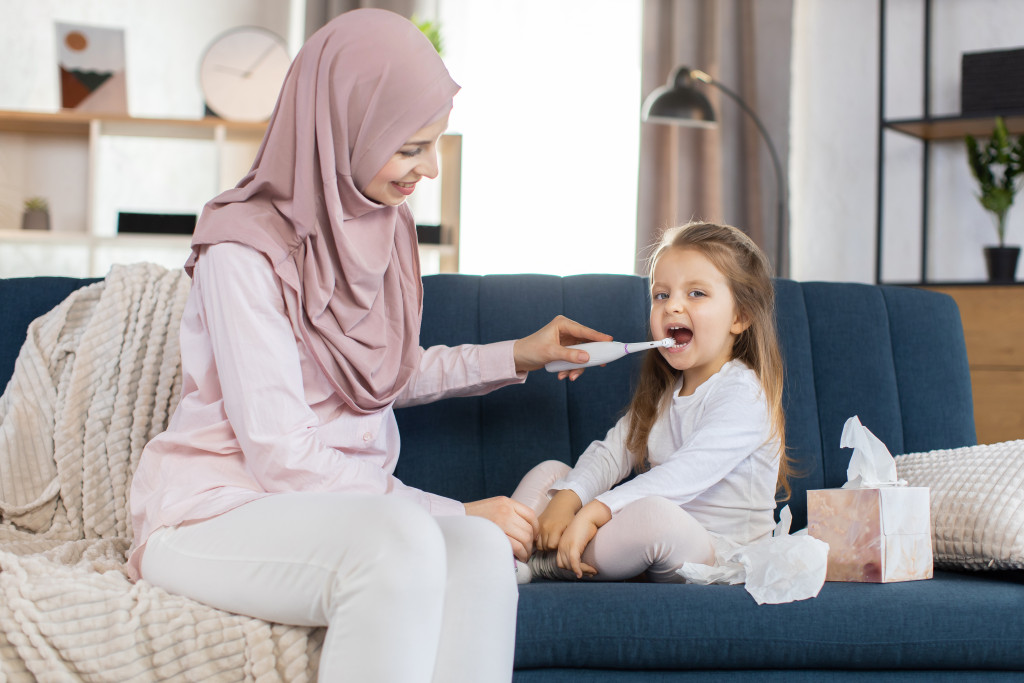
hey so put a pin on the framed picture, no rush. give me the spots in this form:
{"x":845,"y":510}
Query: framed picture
{"x":92,"y":68}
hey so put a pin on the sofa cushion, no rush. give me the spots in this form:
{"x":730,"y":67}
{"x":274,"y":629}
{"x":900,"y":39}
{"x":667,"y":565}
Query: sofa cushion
{"x":942,"y":623}
{"x":22,"y":300}
{"x":847,"y":349}
{"x":977,"y":503}
{"x":473,"y":448}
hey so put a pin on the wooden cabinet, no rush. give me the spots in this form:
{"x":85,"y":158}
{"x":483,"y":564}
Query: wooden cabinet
{"x":993,"y":319}
{"x":91,"y":167}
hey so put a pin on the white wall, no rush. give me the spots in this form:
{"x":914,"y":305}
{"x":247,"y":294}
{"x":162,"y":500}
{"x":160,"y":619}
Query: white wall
{"x":164,"y":43}
{"x":555,"y":190}
{"x":834,"y":139}
{"x":162,"y":50}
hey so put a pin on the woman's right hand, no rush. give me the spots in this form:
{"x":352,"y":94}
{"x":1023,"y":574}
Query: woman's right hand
{"x":560,"y":511}
{"x":515,"y":519}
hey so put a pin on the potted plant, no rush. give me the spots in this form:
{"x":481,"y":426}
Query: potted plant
{"x":36,"y":215}
{"x":432,"y":30}
{"x":998,"y":167}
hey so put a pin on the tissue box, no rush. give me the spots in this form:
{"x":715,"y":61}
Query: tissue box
{"x":874,"y":535}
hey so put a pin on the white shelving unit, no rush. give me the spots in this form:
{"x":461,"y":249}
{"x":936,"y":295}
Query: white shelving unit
{"x":90,"y":167}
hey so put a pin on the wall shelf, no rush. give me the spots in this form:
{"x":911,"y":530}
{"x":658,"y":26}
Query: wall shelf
{"x":92,"y":166}
{"x":79,"y":123}
{"x":928,"y":130}
{"x":955,"y":127}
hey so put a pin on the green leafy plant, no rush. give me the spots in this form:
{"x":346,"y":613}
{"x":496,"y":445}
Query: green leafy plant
{"x":432,"y":30}
{"x":998,"y":167}
{"x":37,"y":204}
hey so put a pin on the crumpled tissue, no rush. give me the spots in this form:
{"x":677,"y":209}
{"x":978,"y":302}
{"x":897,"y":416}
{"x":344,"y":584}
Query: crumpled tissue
{"x":781,"y":568}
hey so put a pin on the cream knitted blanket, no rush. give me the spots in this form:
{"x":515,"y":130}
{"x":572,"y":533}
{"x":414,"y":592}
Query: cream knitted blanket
{"x":98,"y":377}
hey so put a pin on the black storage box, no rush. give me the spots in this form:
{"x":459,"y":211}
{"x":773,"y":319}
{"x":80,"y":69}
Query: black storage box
{"x":428,"y":234}
{"x":992,"y":82}
{"x":156,"y":223}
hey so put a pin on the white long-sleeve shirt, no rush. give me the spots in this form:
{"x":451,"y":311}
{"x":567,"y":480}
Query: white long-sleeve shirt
{"x":711,"y":453}
{"x":257,"y":416}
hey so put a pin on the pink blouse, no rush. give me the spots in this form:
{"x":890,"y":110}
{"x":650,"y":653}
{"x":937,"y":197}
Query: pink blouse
{"x":257,"y":416}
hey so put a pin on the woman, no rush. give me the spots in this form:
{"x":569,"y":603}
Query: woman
{"x":271,"y":493}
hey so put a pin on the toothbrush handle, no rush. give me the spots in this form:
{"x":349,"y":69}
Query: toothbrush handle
{"x":559,"y":365}
{"x":600,"y":353}
{"x":604,"y":352}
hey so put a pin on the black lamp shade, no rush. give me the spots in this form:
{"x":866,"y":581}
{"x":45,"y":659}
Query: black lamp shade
{"x":679,"y":103}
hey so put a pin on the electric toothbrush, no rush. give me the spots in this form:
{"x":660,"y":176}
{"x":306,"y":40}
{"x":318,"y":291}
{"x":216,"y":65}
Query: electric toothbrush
{"x":606,"y":352}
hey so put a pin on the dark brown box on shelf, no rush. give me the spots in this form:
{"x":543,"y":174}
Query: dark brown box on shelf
{"x":992,"y":82}
{"x":156,"y":223}
{"x":428,"y":234}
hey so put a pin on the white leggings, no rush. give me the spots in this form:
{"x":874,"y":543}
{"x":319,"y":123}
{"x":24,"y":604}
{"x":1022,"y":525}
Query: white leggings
{"x":652,"y":535}
{"x":405,"y":597}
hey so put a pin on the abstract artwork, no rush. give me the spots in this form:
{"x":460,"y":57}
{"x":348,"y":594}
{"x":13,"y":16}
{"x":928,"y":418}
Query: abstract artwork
{"x":92,"y":68}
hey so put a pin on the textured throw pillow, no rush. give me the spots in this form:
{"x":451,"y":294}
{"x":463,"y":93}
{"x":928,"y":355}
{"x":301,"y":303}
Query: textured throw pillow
{"x":977,"y":503}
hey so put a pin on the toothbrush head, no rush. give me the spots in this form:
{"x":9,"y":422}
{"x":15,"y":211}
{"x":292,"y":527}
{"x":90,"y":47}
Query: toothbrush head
{"x":667,"y":342}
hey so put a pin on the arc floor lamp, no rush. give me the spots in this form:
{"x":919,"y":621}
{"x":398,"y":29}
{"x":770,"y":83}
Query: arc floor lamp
{"x":680,"y":103}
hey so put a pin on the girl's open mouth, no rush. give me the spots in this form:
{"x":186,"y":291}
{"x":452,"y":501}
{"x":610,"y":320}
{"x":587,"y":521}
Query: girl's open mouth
{"x":681,"y":335}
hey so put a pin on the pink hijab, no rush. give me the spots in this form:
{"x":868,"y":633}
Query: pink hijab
{"x":356,"y":92}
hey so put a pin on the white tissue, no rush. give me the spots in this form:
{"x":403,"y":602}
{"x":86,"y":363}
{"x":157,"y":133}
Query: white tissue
{"x":871,"y":465}
{"x":781,"y":568}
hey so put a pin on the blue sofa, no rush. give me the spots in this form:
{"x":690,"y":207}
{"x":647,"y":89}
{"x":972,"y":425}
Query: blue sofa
{"x":894,"y":356}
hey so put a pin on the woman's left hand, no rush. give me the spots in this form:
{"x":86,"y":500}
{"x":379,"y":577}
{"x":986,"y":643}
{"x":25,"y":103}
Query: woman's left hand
{"x":549,"y":344}
{"x":577,"y":537}
{"x":517,"y":521}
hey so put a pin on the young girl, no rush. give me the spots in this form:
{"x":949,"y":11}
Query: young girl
{"x":704,"y":431}
{"x":272,"y":494}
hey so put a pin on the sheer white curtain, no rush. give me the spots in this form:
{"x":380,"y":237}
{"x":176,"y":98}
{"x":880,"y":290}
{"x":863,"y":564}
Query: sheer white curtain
{"x":550,"y":117}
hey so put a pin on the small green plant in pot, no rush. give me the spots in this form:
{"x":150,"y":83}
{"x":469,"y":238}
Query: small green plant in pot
{"x":36,"y":215}
{"x":998,"y":166}
{"x":432,"y":30}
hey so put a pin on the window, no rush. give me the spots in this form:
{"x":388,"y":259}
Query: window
{"x":550,"y":117}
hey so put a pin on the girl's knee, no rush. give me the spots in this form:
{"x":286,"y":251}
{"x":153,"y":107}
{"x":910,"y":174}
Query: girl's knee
{"x":655,"y":508}
{"x":555,"y":469}
{"x":658,"y":518}
{"x":533,"y":489}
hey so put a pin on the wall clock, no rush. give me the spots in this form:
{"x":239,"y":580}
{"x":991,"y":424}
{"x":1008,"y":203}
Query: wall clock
{"x":241,"y":73}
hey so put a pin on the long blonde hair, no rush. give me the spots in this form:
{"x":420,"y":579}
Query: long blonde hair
{"x":748,"y":272}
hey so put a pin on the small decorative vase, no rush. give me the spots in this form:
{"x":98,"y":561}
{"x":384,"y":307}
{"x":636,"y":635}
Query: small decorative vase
{"x":1001,"y":263}
{"x":35,"y":220}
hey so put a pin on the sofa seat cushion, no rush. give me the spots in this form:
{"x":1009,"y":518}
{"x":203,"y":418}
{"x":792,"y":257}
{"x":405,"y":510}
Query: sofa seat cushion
{"x":941,"y":623}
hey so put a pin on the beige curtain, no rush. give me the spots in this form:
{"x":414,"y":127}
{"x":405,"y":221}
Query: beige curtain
{"x":723,"y":174}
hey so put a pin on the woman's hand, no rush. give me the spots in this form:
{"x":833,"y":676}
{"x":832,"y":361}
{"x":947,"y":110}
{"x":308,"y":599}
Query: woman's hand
{"x":549,"y":342}
{"x":578,"y":535}
{"x":559,"y":513}
{"x":515,"y":519}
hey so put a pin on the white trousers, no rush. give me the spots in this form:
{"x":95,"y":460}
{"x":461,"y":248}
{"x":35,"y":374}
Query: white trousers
{"x":405,"y":597}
